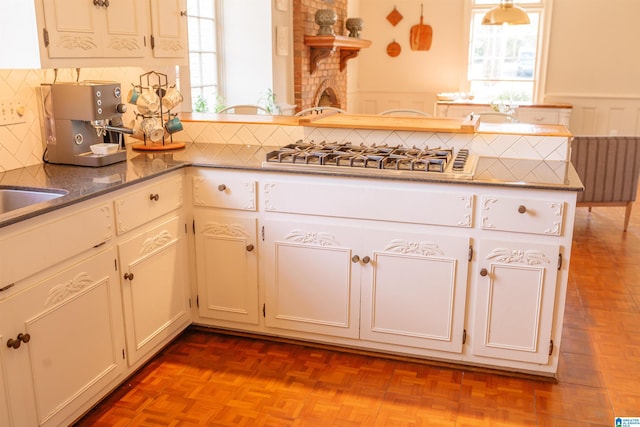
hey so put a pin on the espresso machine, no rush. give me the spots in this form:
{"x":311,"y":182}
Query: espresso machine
{"x":78,"y":115}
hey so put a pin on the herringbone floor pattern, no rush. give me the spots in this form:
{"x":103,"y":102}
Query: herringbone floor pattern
{"x":217,"y":380}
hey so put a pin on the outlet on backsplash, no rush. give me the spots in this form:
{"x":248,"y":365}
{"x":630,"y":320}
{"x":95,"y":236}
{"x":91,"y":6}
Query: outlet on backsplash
{"x":12,"y":112}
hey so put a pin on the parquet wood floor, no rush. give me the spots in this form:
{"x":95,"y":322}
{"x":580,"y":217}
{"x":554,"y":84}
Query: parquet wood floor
{"x":211,"y":379}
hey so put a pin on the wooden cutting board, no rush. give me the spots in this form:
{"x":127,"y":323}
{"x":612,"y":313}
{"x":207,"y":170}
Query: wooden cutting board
{"x":420,"y":35}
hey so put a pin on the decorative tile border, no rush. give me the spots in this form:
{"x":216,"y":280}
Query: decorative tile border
{"x":488,"y":145}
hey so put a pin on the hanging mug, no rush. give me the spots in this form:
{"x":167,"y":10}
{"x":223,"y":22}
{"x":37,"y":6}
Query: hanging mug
{"x":171,"y":98}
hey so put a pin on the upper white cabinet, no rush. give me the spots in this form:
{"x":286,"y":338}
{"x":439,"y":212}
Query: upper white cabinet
{"x":169,"y":28}
{"x":100,"y":28}
{"x":93,"y":33}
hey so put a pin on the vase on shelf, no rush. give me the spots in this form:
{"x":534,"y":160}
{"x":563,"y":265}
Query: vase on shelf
{"x":354,"y":25}
{"x":325,"y":19}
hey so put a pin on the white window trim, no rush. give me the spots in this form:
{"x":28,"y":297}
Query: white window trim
{"x":539,"y":84}
{"x":184,"y":71}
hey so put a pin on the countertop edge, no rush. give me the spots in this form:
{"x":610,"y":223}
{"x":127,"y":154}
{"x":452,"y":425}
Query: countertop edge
{"x":573,"y":183}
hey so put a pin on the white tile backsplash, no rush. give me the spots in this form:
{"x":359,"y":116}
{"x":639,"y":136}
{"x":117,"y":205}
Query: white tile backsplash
{"x":22,"y":144}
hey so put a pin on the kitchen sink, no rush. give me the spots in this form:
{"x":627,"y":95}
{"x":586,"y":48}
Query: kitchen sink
{"x":16,"y":198}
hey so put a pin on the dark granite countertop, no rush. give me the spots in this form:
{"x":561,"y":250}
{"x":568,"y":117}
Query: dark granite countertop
{"x":83,"y":183}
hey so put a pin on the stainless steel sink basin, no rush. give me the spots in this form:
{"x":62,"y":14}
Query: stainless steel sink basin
{"x":16,"y":198}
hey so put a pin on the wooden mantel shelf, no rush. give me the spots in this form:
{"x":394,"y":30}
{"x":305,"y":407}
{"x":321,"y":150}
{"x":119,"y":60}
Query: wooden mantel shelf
{"x":322,"y":46}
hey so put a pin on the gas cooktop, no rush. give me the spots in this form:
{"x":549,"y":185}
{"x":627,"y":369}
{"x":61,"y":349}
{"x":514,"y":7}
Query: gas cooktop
{"x":374,"y":159}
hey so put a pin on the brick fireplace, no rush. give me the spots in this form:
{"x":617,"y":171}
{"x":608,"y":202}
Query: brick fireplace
{"x":327,"y":86}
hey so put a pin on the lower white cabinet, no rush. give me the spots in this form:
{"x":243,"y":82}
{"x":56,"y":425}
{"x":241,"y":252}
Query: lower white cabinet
{"x":155,"y":287}
{"x":393,"y":284}
{"x":312,"y":277}
{"x":514,"y":300}
{"x":226,"y":267}
{"x":414,"y":289}
{"x":62,"y":342}
{"x":4,"y":404}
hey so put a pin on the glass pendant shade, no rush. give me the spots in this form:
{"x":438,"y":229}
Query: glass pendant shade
{"x":506,"y":13}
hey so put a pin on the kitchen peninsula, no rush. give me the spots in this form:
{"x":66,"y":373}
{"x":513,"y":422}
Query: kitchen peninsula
{"x":468,"y":270}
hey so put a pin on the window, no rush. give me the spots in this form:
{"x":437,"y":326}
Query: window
{"x":503,"y":63}
{"x":203,"y":75}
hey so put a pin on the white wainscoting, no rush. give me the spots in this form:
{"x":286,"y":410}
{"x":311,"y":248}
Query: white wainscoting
{"x":601,"y":114}
{"x":374,"y":102}
{"x":593,"y":114}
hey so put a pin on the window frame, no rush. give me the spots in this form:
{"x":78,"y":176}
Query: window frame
{"x":545,"y":7}
{"x":183,"y":72}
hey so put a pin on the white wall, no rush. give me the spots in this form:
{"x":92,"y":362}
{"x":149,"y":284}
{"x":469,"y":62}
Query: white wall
{"x":592,"y":64}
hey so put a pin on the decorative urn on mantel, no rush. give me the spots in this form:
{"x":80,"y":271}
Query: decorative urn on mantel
{"x":354,"y":25}
{"x":326,"y":19}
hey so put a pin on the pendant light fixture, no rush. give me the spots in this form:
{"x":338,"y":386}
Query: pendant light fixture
{"x":506,"y":13}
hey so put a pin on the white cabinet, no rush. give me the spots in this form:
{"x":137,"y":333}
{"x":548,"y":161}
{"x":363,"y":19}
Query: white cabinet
{"x":414,"y":289}
{"x":155,"y":287}
{"x":514,"y":300}
{"x":226,"y":267}
{"x":169,"y":28}
{"x":4,"y":396}
{"x":87,"y":28}
{"x":226,"y":247}
{"x":94,"y":33}
{"x":312,"y":277}
{"x":534,"y":114}
{"x":154,"y":274}
{"x":62,"y":342}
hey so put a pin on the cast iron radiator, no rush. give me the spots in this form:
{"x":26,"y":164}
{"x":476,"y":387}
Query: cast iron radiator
{"x":609,"y":167}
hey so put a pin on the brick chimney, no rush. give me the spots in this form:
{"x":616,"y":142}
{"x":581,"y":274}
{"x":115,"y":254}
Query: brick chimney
{"x":327,"y":85}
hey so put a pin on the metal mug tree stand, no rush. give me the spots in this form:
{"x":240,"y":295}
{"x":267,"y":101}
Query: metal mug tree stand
{"x":157,"y":82}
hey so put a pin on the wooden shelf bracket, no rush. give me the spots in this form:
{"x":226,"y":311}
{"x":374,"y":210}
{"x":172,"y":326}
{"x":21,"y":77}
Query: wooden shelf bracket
{"x":321,"y":47}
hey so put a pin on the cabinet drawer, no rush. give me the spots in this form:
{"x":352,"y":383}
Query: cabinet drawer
{"x":386,"y":203}
{"x":224,"y":190}
{"x":533,"y":216}
{"x":148,"y":202}
{"x":32,"y":249}
{"x":540,"y":116}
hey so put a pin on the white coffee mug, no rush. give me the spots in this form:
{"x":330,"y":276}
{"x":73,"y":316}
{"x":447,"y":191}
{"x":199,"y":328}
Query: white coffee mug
{"x":148,"y":102}
{"x":152,"y":128}
{"x":172,"y":98}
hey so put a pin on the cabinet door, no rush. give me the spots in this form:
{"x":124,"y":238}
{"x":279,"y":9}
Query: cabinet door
{"x":414,"y":289}
{"x":311,"y":284}
{"x":75,"y":28}
{"x":82,"y":29}
{"x":514,"y":300}
{"x":169,"y":28}
{"x":154,"y":287}
{"x":76,"y":346}
{"x":227,"y":267}
{"x":125,"y":28}
{"x":4,"y":405}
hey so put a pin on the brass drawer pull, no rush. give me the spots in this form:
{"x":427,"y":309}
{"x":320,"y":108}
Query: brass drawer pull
{"x":154,"y":197}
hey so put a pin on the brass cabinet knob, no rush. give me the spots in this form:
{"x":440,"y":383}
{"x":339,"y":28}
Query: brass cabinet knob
{"x":522,"y":209}
{"x":366,"y":260}
{"x":21,"y":338}
{"x":484,"y":272}
{"x":128,"y":276}
{"x":222,"y":187}
{"x":155,"y":197}
{"x":355,"y":258}
{"x":250,"y":247}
